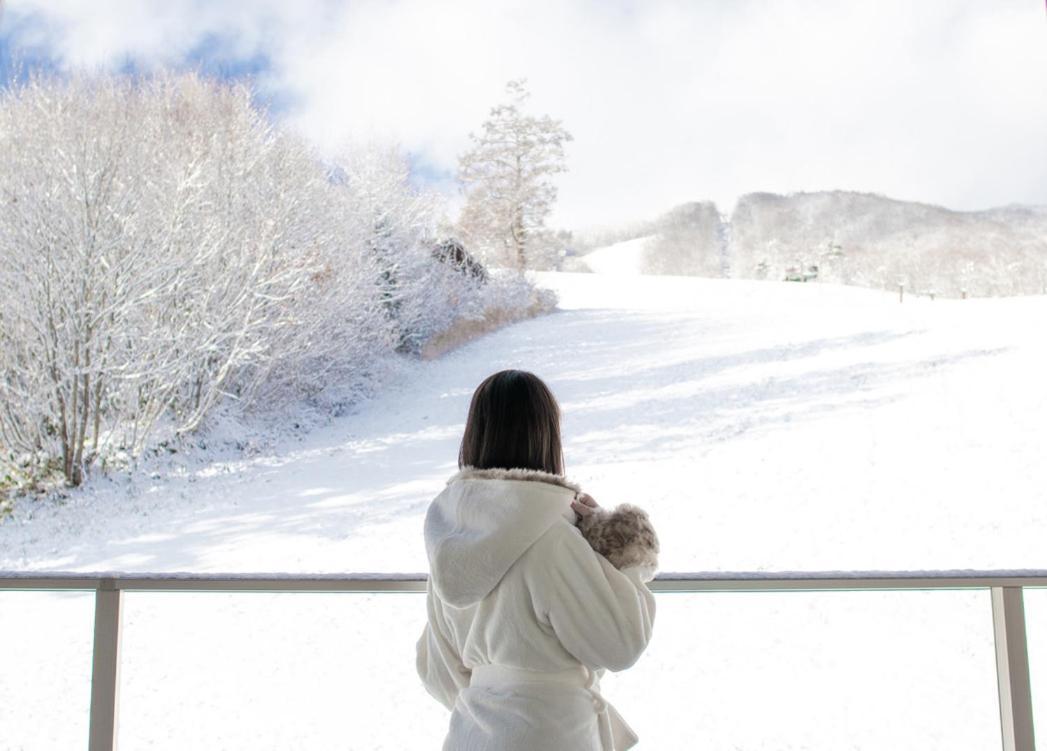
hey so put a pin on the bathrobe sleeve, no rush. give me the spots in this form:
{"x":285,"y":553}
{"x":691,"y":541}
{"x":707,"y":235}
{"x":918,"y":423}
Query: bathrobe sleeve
{"x":437,"y":660}
{"x":602,"y":616}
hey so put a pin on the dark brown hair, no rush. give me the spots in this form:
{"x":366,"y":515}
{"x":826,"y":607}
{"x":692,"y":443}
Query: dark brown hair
{"x":514,"y":422}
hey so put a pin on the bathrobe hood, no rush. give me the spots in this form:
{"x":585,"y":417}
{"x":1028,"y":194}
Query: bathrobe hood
{"x":483,"y":521}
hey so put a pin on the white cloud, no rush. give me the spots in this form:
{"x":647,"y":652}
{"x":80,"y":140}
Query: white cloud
{"x":941,"y":100}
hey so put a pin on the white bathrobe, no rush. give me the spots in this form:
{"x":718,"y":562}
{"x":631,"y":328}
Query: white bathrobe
{"x":524,"y":616}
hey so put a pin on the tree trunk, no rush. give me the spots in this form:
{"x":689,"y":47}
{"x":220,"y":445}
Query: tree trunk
{"x":519,"y":241}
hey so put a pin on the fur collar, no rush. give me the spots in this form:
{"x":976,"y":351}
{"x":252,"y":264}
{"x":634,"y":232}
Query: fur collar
{"x":497,"y":473}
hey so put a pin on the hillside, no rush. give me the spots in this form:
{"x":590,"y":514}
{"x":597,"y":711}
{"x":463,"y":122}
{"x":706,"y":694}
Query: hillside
{"x":873,"y":241}
{"x":856,"y":239}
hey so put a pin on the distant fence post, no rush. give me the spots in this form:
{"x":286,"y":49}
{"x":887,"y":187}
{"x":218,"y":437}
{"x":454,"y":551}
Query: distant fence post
{"x":901,"y":291}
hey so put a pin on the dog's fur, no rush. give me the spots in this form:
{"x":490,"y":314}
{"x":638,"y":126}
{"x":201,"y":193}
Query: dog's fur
{"x":624,"y":536}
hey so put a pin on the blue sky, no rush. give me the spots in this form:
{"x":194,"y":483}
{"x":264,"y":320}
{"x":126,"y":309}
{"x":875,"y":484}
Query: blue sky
{"x":17,"y":60}
{"x":30,"y":45}
{"x":27,"y":47}
{"x":939,"y":100}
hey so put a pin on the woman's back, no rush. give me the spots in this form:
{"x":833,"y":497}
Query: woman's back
{"x":518,"y":597}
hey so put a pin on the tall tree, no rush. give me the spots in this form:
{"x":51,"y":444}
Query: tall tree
{"x":507,"y":175}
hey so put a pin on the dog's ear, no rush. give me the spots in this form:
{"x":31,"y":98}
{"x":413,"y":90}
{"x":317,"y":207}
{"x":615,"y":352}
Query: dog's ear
{"x":624,"y":536}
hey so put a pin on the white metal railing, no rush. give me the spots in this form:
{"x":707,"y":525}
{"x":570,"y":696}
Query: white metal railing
{"x":1008,"y":613}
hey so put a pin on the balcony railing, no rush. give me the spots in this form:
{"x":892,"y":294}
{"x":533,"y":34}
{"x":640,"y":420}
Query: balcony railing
{"x":1008,"y":613}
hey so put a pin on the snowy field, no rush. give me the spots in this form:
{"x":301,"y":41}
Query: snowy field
{"x":765,"y":426}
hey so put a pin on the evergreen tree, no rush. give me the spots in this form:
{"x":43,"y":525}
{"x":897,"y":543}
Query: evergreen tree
{"x":507,"y":175}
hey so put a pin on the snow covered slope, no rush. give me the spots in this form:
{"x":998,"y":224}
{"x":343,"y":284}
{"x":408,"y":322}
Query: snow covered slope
{"x":764,"y":426}
{"x":832,"y":414}
{"x":620,"y":259}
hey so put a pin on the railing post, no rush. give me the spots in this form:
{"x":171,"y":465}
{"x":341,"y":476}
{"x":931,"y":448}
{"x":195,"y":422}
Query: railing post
{"x":1012,"y":669}
{"x":105,"y":667}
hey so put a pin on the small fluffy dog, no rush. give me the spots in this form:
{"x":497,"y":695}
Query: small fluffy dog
{"x":624,"y":536}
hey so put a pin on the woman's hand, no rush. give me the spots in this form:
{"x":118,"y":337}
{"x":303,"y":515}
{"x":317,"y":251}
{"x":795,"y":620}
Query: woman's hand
{"x":584,"y":504}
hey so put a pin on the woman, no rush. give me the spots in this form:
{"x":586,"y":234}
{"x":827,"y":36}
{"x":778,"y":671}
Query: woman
{"x":534,"y":590}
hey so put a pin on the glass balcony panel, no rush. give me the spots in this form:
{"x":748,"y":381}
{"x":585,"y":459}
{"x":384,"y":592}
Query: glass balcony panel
{"x":45,"y":669}
{"x":275,"y":671}
{"x":1036,"y":631}
{"x":831,"y":670}
{"x":828,"y":671}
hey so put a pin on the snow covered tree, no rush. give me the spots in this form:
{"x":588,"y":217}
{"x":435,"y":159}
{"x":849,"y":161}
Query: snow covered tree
{"x":164,"y":249}
{"x":76,"y":266}
{"x":507,"y":175}
{"x":395,"y":222}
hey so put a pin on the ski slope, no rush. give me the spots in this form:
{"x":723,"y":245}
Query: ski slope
{"x":625,"y":258}
{"x":765,"y":426}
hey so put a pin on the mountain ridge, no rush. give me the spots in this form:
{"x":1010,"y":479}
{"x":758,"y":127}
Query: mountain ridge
{"x":852,"y":237}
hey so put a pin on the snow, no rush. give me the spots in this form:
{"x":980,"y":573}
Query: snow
{"x":625,"y":258}
{"x":765,"y":426}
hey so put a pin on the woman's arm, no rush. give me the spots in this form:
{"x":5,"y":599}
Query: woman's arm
{"x":437,"y":660}
{"x":602,"y":616}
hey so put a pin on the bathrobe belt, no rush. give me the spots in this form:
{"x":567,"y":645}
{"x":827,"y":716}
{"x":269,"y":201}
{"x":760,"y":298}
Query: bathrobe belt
{"x":615,"y":734}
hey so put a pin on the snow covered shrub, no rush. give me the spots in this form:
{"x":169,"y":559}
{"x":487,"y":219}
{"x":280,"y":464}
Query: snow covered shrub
{"x":506,"y":297}
{"x":420,"y":295}
{"x":511,"y":291}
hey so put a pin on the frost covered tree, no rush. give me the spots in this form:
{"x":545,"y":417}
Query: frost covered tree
{"x":164,"y":249}
{"x":396,"y":222}
{"x":77,"y":267}
{"x":687,"y":241}
{"x":507,"y":175}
